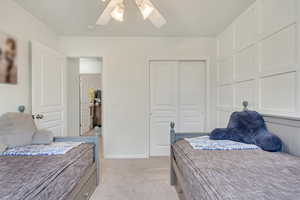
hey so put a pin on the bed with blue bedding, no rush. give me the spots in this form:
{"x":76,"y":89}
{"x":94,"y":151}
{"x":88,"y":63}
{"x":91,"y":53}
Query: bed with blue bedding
{"x":251,"y":174}
{"x":217,"y":170}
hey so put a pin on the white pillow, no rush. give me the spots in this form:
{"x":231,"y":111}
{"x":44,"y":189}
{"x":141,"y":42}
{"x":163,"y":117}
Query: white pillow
{"x":5,"y":123}
{"x":16,"y":129}
{"x":42,"y":137}
{"x":15,"y":138}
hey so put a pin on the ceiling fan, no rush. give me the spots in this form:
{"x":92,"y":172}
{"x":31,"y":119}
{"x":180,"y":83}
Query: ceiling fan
{"x":116,"y":9}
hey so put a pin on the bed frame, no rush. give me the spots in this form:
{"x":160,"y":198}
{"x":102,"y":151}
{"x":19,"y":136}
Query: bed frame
{"x":287,"y":128}
{"x":176,"y":177}
{"x":88,"y":183}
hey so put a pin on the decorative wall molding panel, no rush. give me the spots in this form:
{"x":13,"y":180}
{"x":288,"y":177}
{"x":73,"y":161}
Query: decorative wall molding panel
{"x":226,"y":70}
{"x":257,"y":61}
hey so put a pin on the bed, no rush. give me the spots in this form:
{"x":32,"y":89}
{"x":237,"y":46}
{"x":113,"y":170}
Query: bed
{"x":238,"y":174}
{"x":71,"y":176}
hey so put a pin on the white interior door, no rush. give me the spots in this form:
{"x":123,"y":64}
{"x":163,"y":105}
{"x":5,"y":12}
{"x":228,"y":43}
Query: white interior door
{"x":85,"y":118}
{"x":87,"y":81}
{"x":177,"y":94}
{"x":164,"y":109}
{"x":48,"y":89}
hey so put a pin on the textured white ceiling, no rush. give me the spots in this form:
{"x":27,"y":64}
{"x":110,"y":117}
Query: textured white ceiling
{"x":186,"y":18}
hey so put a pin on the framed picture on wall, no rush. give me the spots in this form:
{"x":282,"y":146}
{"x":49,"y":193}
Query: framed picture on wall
{"x":8,"y":59}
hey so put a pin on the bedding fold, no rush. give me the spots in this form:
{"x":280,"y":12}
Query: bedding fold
{"x":237,"y":175}
{"x":43,"y":177}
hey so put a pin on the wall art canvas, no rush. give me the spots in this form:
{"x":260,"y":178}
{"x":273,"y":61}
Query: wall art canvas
{"x":8,"y":59}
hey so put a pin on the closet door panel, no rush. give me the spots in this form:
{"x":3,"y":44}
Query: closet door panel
{"x":191,"y":104}
{"x":164,"y":105}
{"x":177,"y":93}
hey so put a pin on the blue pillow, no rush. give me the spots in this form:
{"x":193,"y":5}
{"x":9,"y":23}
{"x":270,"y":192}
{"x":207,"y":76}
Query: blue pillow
{"x":268,"y":141}
{"x":248,"y":127}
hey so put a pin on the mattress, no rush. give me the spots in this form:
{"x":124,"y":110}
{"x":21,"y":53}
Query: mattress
{"x":43,"y":177}
{"x":237,"y":174}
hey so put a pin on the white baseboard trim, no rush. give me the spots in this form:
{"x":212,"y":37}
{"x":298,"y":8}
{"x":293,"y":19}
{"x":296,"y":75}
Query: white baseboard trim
{"x":134,"y":156}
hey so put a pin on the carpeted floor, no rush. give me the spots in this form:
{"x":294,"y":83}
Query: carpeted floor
{"x":141,"y":179}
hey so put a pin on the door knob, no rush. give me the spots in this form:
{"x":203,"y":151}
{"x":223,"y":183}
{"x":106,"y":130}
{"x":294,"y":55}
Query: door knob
{"x":39,"y":116}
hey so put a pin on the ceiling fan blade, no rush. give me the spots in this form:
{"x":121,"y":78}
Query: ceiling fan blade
{"x":156,"y":17}
{"x":105,"y":17}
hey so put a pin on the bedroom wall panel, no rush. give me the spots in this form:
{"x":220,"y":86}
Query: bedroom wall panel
{"x":277,"y":14}
{"x":245,"y":91}
{"x":278,"y":52}
{"x":226,"y":71}
{"x":278,"y":93}
{"x":247,"y":28}
{"x":247,"y":64}
{"x":226,"y":43}
{"x":226,"y":96}
{"x":265,"y":68}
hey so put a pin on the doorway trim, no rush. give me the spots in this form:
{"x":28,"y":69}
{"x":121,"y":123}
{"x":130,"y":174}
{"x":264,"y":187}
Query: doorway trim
{"x":204,"y":59}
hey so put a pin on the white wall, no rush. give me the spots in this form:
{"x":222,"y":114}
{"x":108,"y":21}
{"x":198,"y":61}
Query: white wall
{"x":17,"y":22}
{"x":90,"y":65}
{"x":257,"y":61}
{"x":73,"y":101}
{"x":125,"y":96}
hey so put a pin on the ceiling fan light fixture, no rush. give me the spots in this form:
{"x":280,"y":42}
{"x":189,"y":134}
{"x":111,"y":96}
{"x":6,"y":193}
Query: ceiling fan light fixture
{"x":146,"y":9}
{"x":115,"y":9}
{"x":118,"y":12}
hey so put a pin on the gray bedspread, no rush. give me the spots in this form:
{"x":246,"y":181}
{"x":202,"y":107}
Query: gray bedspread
{"x":237,"y":174}
{"x":43,"y":177}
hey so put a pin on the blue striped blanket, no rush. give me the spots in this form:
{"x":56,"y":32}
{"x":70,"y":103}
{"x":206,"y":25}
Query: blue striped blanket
{"x":204,"y":143}
{"x":56,"y":148}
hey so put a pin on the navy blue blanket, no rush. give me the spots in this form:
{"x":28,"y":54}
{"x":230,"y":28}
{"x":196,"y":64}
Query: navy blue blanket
{"x":248,"y":127}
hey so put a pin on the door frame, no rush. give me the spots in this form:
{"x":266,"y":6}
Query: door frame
{"x":103,"y":90}
{"x":204,"y":59}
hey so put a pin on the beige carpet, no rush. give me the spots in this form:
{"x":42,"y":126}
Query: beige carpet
{"x":142,"y":179}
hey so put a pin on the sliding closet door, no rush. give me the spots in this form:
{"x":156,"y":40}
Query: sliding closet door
{"x":164,"y":105}
{"x":191,"y":104}
{"x":177,"y":94}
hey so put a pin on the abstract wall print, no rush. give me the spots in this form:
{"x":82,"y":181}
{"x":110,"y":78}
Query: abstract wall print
{"x":8,"y":59}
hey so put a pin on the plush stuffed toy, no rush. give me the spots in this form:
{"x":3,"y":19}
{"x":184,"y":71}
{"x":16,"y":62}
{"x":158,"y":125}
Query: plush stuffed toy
{"x":248,"y":127}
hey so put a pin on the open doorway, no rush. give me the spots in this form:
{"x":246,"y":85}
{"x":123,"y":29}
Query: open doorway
{"x":90,"y":98}
{"x":84,"y":98}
